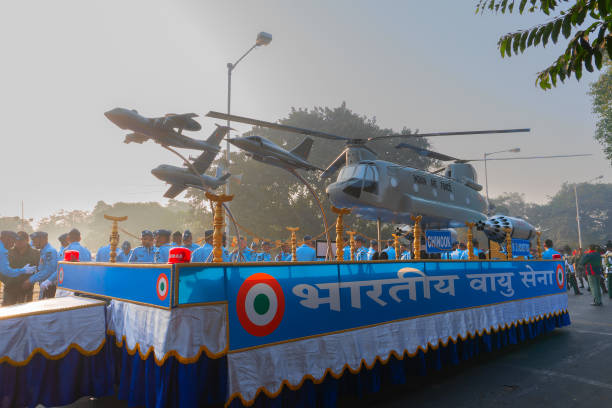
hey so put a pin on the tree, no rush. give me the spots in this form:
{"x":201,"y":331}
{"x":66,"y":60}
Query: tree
{"x":557,"y":217}
{"x":268,"y":199}
{"x":15,"y":224}
{"x":601,"y":93}
{"x":587,"y":46}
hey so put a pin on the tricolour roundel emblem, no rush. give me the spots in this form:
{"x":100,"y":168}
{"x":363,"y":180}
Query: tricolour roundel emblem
{"x":162,"y":286}
{"x":60,"y":276}
{"x":560,"y":275}
{"x":260,"y":304}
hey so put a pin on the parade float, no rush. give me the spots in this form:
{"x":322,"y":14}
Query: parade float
{"x":285,"y":333}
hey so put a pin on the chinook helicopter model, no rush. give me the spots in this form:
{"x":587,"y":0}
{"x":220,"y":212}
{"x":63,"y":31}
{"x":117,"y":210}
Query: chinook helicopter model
{"x":388,"y":192}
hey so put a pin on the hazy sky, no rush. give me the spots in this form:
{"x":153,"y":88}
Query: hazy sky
{"x":432,"y":66}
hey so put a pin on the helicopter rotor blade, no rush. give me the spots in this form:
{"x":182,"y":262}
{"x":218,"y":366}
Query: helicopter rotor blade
{"x":532,"y":157}
{"x":462,"y":133}
{"x":428,"y":153}
{"x":277,"y":126}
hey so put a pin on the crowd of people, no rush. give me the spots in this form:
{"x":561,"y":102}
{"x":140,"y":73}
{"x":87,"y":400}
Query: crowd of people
{"x":29,"y":259}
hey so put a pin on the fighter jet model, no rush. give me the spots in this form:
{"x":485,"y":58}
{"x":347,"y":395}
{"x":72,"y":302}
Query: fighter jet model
{"x":166,"y":130}
{"x":180,"y":178}
{"x":265,"y":151}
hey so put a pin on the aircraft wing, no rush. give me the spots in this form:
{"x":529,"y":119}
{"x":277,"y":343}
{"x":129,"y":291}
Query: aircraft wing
{"x":174,"y":190}
{"x":183,"y":121}
{"x":203,"y":161}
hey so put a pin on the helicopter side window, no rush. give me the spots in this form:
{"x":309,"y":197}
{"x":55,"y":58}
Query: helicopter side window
{"x":370,"y":182}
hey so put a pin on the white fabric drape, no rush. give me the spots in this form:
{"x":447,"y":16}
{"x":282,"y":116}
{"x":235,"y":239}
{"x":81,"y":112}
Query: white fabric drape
{"x":51,"y":326}
{"x":183,"y":332}
{"x":267,"y":367}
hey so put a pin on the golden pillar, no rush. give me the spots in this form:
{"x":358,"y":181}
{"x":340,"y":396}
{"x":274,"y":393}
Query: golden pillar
{"x":508,"y":243}
{"x":352,"y":243}
{"x":339,"y":231}
{"x":293,"y":242}
{"x":538,"y":233}
{"x":114,"y":237}
{"x":470,"y":238}
{"x":396,"y":246}
{"x":218,"y":223}
{"x":416,"y":244}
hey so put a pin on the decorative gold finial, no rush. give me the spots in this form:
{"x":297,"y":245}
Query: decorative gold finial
{"x":538,"y":233}
{"x":339,"y":231}
{"x":416,"y":245}
{"x":218,"y":223}
{"x":396,"y":245}
{"x":114,"y":237}
{"x":508,"y":243}
{"x":470,"y":243}
{"x":293,"y":242}
{"x":352,"y":243}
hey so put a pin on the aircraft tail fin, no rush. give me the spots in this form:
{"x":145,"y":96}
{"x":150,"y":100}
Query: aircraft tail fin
{"x":303,"y":149}
{"x":217,"y":136}
{"x":224,"y":177}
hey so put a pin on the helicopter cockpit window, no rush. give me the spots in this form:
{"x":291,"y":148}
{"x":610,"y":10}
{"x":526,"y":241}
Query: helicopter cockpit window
{"x":370,"y":182}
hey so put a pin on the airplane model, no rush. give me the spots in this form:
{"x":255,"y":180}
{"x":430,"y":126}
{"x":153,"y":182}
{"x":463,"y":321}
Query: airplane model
{"x":390,"y":192}
{"x":162,"y":130}
{"x":180,"y":178}
{"x":265,"y":151}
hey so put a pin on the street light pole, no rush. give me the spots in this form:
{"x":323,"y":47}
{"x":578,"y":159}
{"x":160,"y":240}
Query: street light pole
{"x":263,"y":38}
{"x":578,"y":210}
{"x":515,"y":150}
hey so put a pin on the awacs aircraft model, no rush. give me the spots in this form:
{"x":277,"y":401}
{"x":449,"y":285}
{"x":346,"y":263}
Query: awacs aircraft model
{"x":166,"y":130}
{"x":389,"y":192}
{"x":265,"y":151}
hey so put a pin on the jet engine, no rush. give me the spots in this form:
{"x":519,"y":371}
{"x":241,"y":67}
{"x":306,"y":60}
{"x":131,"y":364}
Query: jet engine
{"x":494,"y":228}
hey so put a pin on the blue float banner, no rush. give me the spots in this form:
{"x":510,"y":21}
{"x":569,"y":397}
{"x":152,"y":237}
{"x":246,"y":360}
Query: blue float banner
{"x":438,"y":241}
{"x":200,"y":283}
{"x":277,"y":303}
{"x":520,"y":247}
{"x":149,"y":284}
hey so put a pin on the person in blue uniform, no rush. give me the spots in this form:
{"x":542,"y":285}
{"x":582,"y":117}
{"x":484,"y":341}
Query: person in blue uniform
{"x":264,"y":255}
{"x":203,"y":253}
{"x":126,"y":251}
{"x":188,"y":241}
{"x":7,"y":241}
{"x":74,"y":237}
{"x":306,"y":251}
{"x":390,"y":250}
{"x":47,"y":266}
{"x":464,"y":255}
{"x":550,"y":252}
{"x":177,"y":239}
{"x":247,"y":254}
{"x":361,"y":254}
{"x":285,"y":253}
{"x":146,"y":252}
{"x":163,"y":245}
{"x":372,"y":250}
{"x":404,"y":253}
{"x":346,"y":251}
{"x":63,"y":239}
{"x":103,"y":253}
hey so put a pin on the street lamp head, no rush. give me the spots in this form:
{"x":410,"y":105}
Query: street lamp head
{"x":263,"y":38}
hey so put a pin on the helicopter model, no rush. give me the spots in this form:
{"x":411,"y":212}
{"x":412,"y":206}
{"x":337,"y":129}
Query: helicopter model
{"x":388,"y":192}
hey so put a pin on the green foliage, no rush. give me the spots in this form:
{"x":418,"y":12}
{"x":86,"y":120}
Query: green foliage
{"x":15,"y":224}
{"x":585,"y":48}
{"x":557,"y":217}
{"x":270,"y":199}
{"x":601,"y":93}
